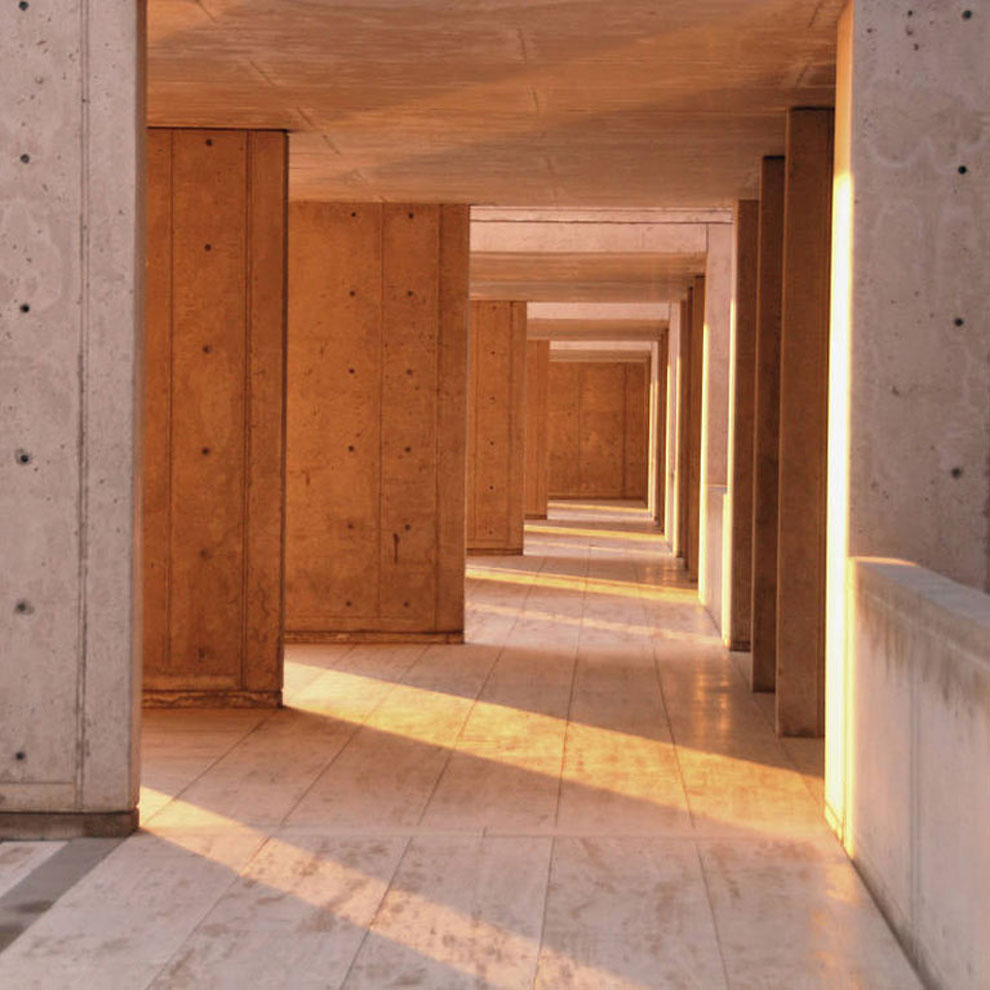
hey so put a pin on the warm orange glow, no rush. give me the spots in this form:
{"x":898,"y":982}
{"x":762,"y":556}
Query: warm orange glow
{"x":601,"y":534}
{"x":838,"y":724}
{"x":595,"y":586}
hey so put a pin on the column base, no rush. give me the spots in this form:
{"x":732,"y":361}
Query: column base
{"x":49,"y":825}
{"x":211,"y":699}
{"x":372,"y":636}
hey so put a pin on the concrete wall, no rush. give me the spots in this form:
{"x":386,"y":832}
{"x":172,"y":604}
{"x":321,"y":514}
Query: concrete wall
{"x":214,"y":415}
{"x":909,"y":445}
{"x":535,"y":442}
{"x":918,"y":771}
{"x":377,"y":372}
{"x":719,"y":294}
{"x":495,"y":433}
{"x":672,"y":425}
{"x":71,"y":263}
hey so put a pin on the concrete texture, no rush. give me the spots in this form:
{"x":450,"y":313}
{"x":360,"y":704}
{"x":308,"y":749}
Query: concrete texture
{"x":742,"y":423}
{"x":71,"y":259}
{"x":802,"y":469}
{"x":213,"y":500}
{"x":917,"y":735}
{"x":695,"y":432}
{"x":716,"y":355}
{"x":377,"y":366}
{"x":513,"y":104}
{"x":496,"y":438}
{"x":766,"y":435}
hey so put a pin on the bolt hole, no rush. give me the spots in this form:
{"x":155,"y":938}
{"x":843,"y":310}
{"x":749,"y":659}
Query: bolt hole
{"x":957,"y":472}
{"x":348,"y":603}
{"x":207,"y":247}
{"x":405,"y":604}
{"x":967,"y":14}
{"x":205,"y":451}
{"x":23,"y":607}
{"x":411,"y":215}
{"x":207,"y":349}
{"x":350,"y":447}
{"x":408,"y":527}
{"x":409,"y":292}
{"x":963,"y":169}
{"x":350,"y":371}
{"x":24,"y":4}
{"x":25,"y":307}
{"x":209,"y":142}
{"x":25,"y":158}
{"x":408,"y":450}
{"x":959,"y":321}
{"x":22,"y":457}
{"x":20,"y":754}
{"x":353,"y":213}
{"x":352,"y":293}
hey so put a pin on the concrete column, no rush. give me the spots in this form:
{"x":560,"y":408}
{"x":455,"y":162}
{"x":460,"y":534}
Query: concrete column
{"x":695,"y":412}
{"x":377,"y":372}
{"x":214,"y":414}
{"x":72,"y":258}
{"x":766,"y":428}
{"x":743,"y":407}
{"x":684,"y":426}
{"x":804,"y":424}
{"x":714,"y":528}
{"x":658,"y":441}
{"x":910,"y":331}
{"x":672,"y":426}
{"x":496,"y":438}
{"x":537,"y":411}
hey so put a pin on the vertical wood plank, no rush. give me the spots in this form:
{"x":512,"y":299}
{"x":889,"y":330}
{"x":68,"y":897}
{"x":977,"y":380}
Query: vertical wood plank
{"x":266,"y":258}
{"x":156,"y":476}
{"x":635,"y":430}
{"x":451,"y":416}
{"x":563,"y":426}
{"x":209,"y":353}
{"x":537,"y":413}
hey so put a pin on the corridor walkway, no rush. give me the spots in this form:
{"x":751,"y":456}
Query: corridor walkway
{"x":585,"y":795}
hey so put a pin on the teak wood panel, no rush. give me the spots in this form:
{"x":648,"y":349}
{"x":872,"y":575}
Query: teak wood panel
{"x":496,"y":437}
{"x":537,"y":453}
{"x":213,"y":483}
{"x":375,"y":529}
{"x":599,"y":422}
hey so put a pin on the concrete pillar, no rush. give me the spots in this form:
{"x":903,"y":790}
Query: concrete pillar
{"x":804,"y":424}
{"x":743,"y":407}
{"x":766,"y":428}
{"x":377,"y":372}
{"x":496,"y":438}
{"x":658,"y":442}
{"x":214,"y":414}
{"x":672,"y":426}
{"x":714,"y":527}
{"x":910,"y":331}
{"x":537,"y":411}
{"x":683,"y":423}
{"x":695,"y":411}
{"x":72,"y":258}
{"x":598,"y":428}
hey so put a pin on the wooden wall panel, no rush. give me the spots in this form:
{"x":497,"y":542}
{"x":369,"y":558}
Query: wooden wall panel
{"x":598,"y":418}
{"x":636,"y":435}
{"x":496,"y":439}
{"x":376,"y":421}
{"x":537,"y":425}
{"x":214,"y":414}
{"x":564,"y":411}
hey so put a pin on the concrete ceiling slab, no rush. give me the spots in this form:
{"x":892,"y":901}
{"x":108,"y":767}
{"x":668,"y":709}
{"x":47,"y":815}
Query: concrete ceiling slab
{"x":513,"y":102}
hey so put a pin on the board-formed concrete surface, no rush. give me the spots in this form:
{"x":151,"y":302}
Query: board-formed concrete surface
{"x":586,"y":794}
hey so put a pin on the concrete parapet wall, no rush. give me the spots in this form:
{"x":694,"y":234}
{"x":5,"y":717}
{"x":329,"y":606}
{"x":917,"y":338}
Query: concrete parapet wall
{"x":918,"y":761}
